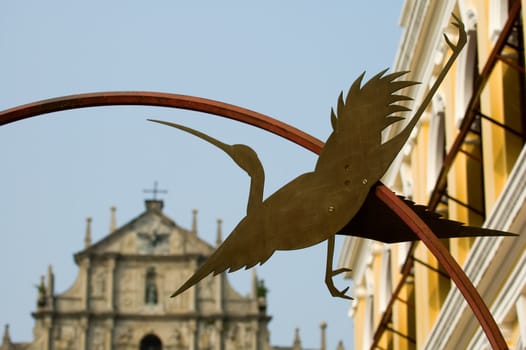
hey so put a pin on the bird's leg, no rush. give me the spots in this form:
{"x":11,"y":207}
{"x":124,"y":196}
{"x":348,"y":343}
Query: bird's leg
{"x":330,"y":273}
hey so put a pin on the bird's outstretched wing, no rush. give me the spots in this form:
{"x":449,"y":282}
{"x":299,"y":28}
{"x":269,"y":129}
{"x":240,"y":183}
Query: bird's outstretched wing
{"x":377,"y":221}
{"x":370,"y":108}
{"x":362,"y":115}
{"x":367,"y":110}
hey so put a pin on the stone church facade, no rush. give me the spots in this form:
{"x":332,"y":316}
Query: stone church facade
{"x":121,"y":297}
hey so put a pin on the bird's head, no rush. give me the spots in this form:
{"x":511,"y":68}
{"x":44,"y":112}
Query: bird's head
{"x":246,"y":158}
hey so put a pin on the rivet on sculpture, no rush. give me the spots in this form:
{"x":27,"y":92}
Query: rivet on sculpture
{"x":336,"y":197}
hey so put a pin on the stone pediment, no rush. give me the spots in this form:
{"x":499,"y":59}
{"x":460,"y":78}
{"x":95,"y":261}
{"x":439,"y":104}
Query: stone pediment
{"x":150,"y":233}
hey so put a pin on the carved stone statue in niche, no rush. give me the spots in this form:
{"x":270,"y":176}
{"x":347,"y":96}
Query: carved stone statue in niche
{"x":150,"y":292}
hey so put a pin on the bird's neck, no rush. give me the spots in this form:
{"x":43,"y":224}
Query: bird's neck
{"x":255,"y":196}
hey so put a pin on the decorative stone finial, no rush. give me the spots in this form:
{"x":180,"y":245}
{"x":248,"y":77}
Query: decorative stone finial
{"x":340,"y":346}
{"x":113,"y":219}
{"x":297,"y":340}
{"x":50,"y":281}
{"x":6,"y":340}
{"x":219,"y":237}
{"x":194,"y":221}
{"x":87,"y":237}
{"x":323,"y":327}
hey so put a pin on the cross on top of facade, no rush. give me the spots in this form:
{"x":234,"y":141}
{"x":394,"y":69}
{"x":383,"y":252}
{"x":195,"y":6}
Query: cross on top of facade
{"x":155,"y":190}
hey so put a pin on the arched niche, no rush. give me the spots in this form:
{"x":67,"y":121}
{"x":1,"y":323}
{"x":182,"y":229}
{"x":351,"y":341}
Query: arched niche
{"x":151,"y":342}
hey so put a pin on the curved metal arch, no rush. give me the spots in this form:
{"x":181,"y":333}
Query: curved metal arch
{"x":421,"y":230}
{"x":160,"y":99}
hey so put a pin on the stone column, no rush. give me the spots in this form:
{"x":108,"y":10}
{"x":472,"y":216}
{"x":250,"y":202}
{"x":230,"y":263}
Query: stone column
{"x":219,"y":291}
{"x":192,"y":331}
{"x":111,"y":284}
{"x":192,"y":292}
{"x":86,"y":268}
{"x":48,"y":332}
{"x":220,"y":337}
{"x":259,"y":336}
{"x":108,"y":334}
{"x":84,"y":333}
{"x":252,"y":334}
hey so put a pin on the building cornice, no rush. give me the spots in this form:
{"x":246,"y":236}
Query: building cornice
{"x":181,"y":316}
{"x":102,"y":257}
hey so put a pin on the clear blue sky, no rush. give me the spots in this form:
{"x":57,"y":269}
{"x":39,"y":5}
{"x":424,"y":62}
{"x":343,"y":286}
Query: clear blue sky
{"x":289,"y":60}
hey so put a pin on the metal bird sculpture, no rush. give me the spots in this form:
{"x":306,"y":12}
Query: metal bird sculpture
{"x":336,"y":197}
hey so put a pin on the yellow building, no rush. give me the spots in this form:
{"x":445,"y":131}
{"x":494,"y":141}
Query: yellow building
{"x":466,"y":161}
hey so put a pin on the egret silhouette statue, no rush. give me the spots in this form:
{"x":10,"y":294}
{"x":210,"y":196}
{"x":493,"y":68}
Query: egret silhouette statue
{"x":336,"y":197}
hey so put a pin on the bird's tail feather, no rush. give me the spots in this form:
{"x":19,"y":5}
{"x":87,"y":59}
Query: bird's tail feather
{"x":228,"y":256}
{"x":211,"y":265}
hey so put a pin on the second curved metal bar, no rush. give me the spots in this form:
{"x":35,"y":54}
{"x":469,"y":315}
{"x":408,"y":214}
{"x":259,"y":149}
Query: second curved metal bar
{"x":463,"y":283}
{"x":290,"y":133}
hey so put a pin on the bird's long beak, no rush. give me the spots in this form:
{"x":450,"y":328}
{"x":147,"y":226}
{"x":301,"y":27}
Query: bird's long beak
{"x":223,"y":146}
